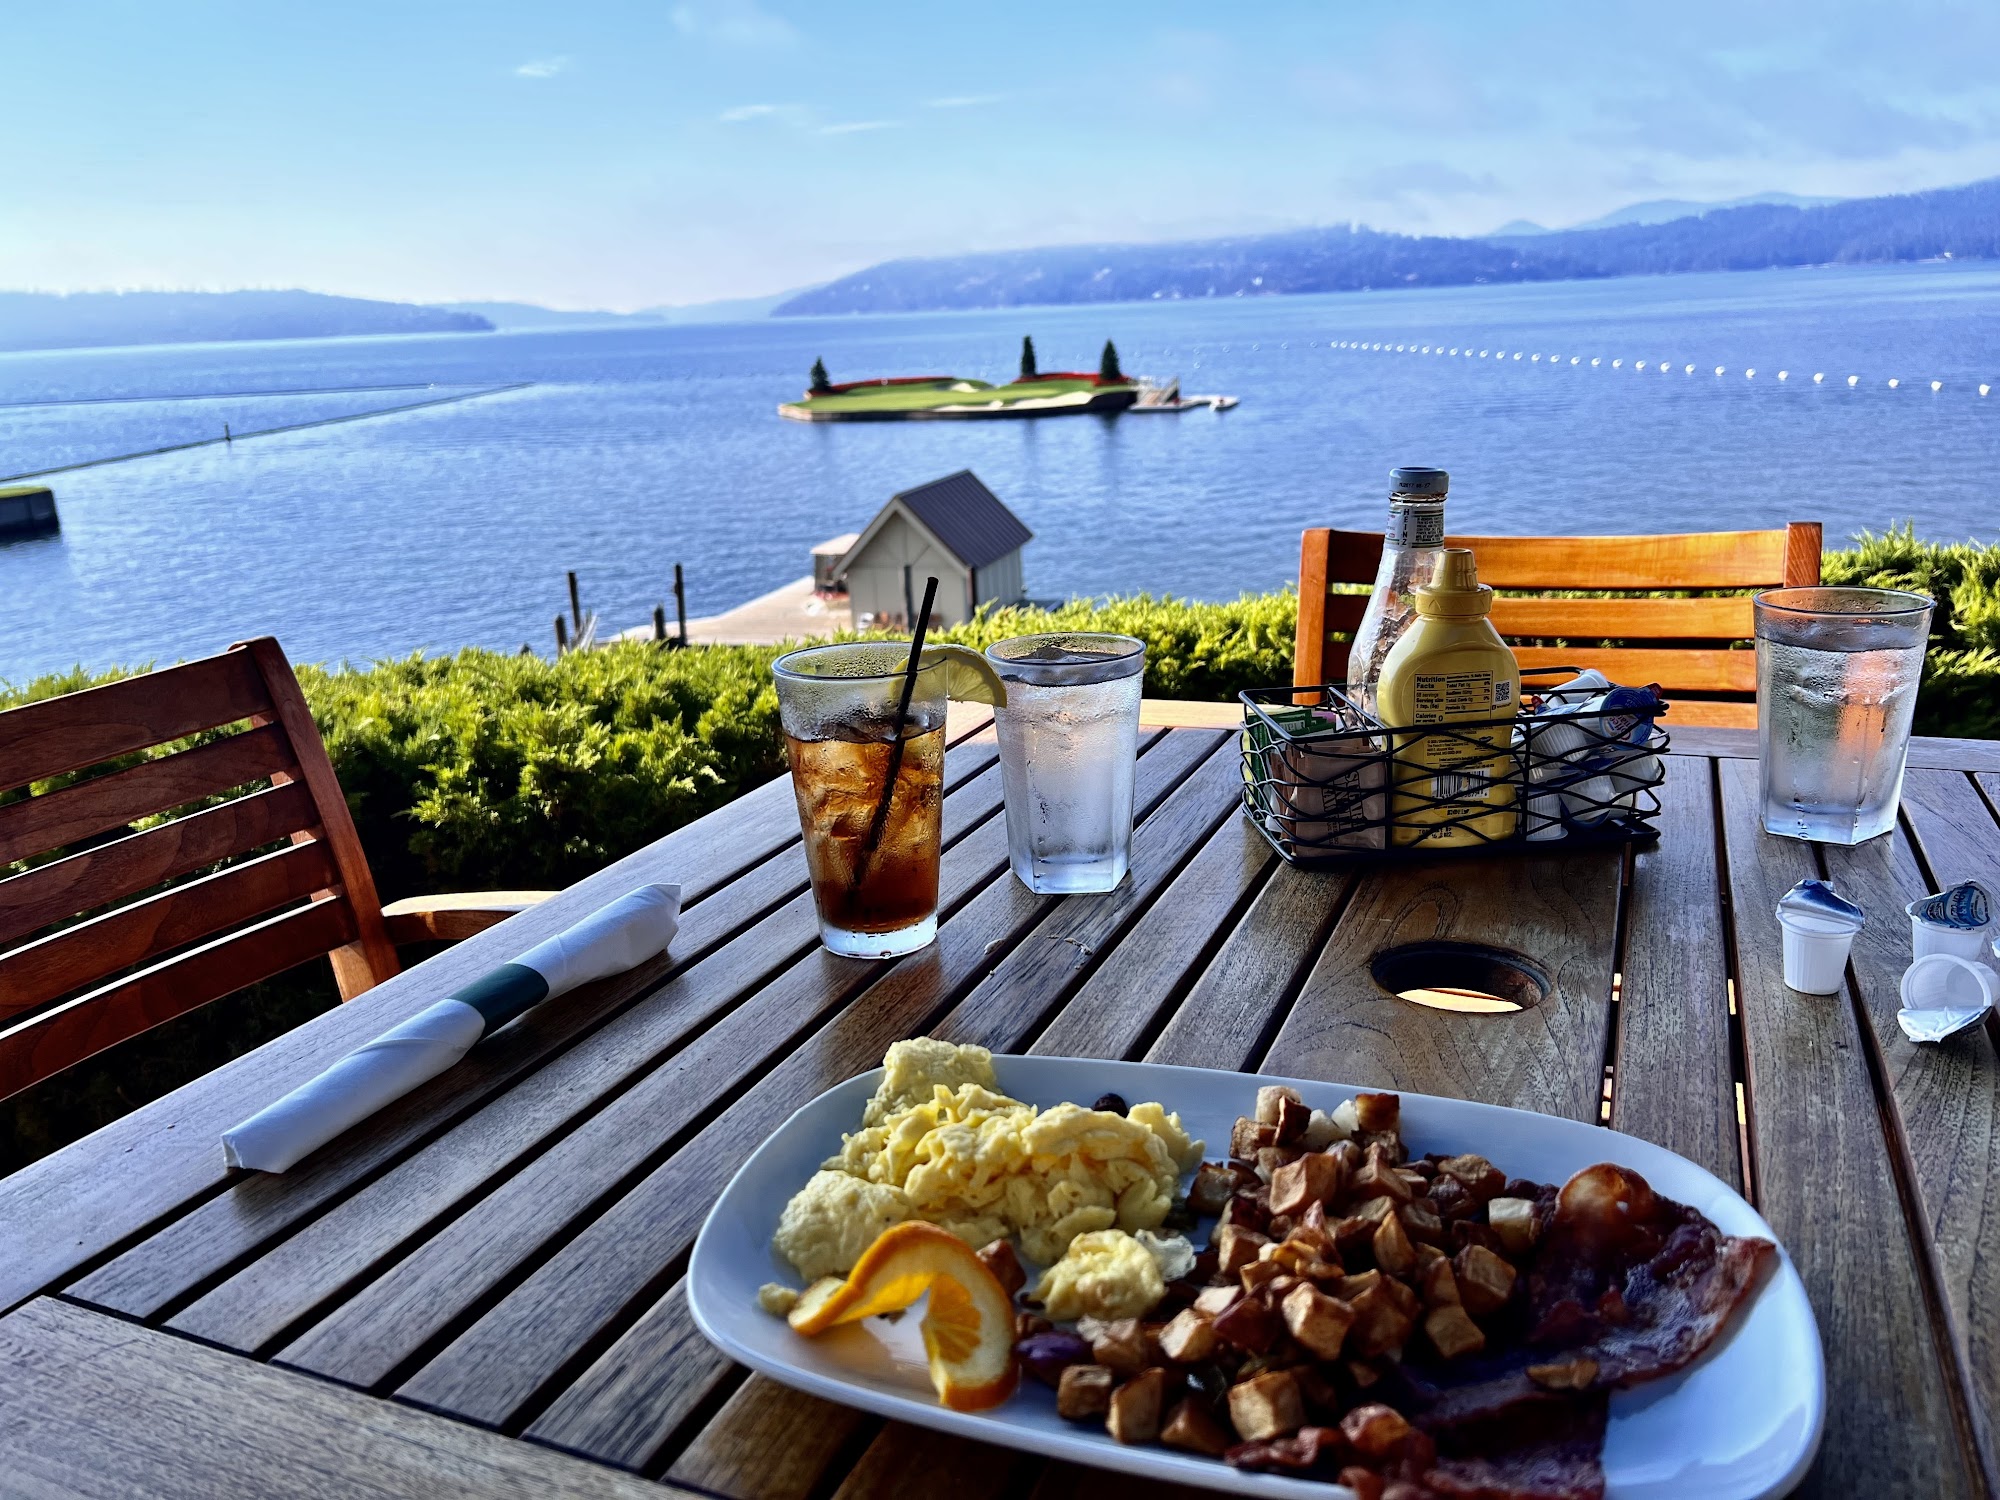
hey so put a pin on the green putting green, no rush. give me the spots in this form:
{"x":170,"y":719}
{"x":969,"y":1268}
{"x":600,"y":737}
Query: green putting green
{"x":931,"y":395}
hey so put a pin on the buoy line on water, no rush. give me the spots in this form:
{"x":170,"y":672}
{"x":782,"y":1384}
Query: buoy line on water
{"x":1637,"y":366}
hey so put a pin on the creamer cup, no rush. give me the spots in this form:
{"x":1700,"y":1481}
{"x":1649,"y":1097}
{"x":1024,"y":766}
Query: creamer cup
{"x":1944,"y":994}
{"x":1954,"y":921}
{"x":1819,"y":929}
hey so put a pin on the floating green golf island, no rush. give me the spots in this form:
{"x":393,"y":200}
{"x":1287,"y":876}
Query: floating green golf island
{"x":906,"y":398}
{"x":917,"y":397}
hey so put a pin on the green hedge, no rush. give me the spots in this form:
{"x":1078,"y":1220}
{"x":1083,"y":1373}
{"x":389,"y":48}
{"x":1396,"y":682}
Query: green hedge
{"x":1961,"y":687}
{"x":482,"y":771}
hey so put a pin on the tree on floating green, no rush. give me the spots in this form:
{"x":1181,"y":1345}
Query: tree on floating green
{"x":1107,"y":367}
{"x":820,"y":383}
{"x":1028,"y":371}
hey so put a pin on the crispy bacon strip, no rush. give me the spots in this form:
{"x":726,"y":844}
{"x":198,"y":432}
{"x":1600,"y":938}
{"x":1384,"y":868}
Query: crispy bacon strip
{"x":1560,"y":1458}
{"x":1625,"y":1286}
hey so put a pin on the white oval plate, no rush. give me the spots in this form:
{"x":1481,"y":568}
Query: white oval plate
{"x":1742,"y":1422}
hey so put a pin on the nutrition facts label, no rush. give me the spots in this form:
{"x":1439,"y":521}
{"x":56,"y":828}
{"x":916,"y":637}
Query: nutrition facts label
{"x":1445,"y":696}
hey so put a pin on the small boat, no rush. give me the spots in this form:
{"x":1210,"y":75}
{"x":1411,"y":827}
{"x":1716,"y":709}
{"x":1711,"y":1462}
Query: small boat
{"x":1165,"y":395}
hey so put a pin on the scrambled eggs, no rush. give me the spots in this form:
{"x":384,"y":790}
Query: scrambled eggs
{"x":1104,"y":1274}
{"x":939,"y":1142}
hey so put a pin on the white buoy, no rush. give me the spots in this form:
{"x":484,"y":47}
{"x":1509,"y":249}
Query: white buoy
{"x":1894,"y":382}
{"x":1784,"y":374}
{"x":1534,"y":359}
{"x":1819,"y":376}
{"x":1749,"y":374}
{"x":1984,"y":389}
{"x":1595,"y":363}
{"x":1614,"y":363}
{"x":1687,"y":369}
{"x":1937,"y":385}
{"x":1718,"y":369}
{"x":1574,"y":358}
{"x":1854,"y":380}
{"x":1517,"y":354}
{"x":1638,"y":364}
{"x":1454,"y":350}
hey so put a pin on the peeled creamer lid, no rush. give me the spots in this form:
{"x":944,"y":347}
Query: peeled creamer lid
{"x":1812,"y":906}
{"x":1456,"y":591}
{"x":1966,"y":907}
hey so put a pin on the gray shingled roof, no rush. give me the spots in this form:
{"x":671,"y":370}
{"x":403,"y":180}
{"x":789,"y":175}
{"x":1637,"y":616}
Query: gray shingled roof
{"x":967,"y":517}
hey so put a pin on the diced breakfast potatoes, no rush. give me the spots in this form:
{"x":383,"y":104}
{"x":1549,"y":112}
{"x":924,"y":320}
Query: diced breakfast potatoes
{"x":1335,"y":1257}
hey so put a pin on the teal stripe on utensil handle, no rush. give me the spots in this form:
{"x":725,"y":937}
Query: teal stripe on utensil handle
{"x":504,"y":994}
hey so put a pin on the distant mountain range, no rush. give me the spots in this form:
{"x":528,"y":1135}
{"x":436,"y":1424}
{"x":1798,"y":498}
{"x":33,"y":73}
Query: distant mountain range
{"x":1663,"y":211}
{"x":54,"y":320}
{"x":51,"y":320}
{"x":1962,"y":223}
{"x":1670,"y":235}
{"x":511,"y":317}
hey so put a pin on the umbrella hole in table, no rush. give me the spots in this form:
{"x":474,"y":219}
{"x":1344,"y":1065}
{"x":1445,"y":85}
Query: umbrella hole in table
{"x":1472,"y":978}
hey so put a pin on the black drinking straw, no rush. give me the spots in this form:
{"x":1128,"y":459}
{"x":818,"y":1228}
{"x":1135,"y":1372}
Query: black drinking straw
{"x":881,"y":819}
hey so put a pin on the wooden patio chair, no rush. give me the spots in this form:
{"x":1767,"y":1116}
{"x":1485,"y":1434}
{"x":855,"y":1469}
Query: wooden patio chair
{"x":1682,"y":644}
{"x":152,"y":944}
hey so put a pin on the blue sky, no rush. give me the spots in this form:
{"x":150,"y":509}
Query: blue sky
{"x":625,"y":155}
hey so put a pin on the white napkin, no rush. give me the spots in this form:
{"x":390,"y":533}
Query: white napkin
{"x":616,"y":937}
{"x":611,"y":939}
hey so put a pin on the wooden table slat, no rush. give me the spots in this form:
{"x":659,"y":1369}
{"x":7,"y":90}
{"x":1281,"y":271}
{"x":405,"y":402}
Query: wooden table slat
{"x":1675,"y":1078}
{"x":1825,"y":1179}
{"x":631,"y":1401}
{"x":1010,"y":1004}
{"x":1946,"y":1096}
{"x":1235,"y":1007}
{"x":769,"y":1442}
{"x":1120,"y":1001}
{"x":98,"y":1409}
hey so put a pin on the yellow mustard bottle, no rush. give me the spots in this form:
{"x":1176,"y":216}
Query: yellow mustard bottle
{"x":1451,"y":667}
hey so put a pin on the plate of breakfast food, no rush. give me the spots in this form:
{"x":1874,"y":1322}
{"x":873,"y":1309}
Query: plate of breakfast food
{"x":1265,"y":1285}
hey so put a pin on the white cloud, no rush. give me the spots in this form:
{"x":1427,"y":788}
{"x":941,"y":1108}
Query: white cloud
{"x":542,"y":67}
{"x":852,"y":126}
{"x":744,"y":112}
{"x":740,"y":23}
{"x":963,"y":101}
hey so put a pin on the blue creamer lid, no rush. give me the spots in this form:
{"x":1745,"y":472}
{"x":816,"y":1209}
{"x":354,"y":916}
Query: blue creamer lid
{"x":1812,"y":906}
{"x":1965,"y":907}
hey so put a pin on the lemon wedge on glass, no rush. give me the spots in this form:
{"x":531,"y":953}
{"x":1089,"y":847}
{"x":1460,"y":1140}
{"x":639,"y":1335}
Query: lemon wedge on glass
{"x":969,"y":676}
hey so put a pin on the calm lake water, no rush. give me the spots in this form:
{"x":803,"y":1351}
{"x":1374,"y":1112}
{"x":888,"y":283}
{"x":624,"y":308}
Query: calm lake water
{"x":636,"y":449}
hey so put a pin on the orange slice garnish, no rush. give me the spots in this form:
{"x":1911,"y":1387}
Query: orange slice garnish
{"x":968,"y":1326}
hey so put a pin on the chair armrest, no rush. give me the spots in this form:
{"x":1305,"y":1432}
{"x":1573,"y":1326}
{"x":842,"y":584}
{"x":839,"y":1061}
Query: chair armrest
{"x":430,"y":919}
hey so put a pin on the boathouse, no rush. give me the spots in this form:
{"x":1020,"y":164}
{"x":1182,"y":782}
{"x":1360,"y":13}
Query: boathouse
{"x":954,"y":527}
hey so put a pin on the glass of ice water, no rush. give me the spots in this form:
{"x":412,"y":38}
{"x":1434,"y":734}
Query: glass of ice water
{"x":1069,"y":736}
{"x":1837,"y":675}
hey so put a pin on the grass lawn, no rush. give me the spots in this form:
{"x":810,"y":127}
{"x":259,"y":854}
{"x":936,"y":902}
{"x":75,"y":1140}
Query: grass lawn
{"x":932,"y":393}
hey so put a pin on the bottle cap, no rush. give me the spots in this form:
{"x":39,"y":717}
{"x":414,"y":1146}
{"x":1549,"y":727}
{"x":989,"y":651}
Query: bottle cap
{"x":1419,"y":482}
{"x":1456,"y":590}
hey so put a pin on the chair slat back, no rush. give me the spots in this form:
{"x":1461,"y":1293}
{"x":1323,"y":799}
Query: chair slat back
{"x":109,"y":929}
{"x":1693,"y":663}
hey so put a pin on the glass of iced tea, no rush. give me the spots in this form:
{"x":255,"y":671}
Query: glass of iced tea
{"x":871,"y":800}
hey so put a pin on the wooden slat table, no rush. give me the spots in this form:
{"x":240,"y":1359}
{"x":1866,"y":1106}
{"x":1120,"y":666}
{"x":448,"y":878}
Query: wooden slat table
{"x":479,"y":1291}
